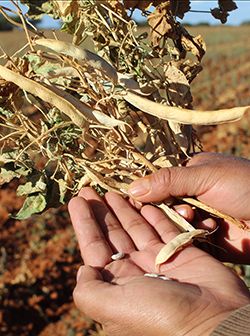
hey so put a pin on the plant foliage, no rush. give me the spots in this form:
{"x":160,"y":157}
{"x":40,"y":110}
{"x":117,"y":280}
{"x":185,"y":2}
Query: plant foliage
{"x":70,"y":118}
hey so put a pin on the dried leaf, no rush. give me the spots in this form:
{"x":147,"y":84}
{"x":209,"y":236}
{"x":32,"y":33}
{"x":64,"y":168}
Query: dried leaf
{"x":178,"y":88}
{"x":105,"y":182}
{"x":62,"y":190}
{"x":130,"y":84}
{"x":179,"y":8}
{"x":83,"y":182}
{"x":227,"y":5}
{"x":10,"y":170}
{"x":180,"y":137}
{"x":219,"y":14}
{"x":176,"y":244}
{"x":162,"y":162}
{"x":66,"y":7}
{"x":141,"y":4}
{"x":161,"y":23}
{"x":195,"y":45}
{"x":32,"y":205}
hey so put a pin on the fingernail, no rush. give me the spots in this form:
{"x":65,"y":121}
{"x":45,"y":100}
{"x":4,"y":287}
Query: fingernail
{"x":79,"y":273}
{"x":181,"y":211}
{"x":140,"y":187}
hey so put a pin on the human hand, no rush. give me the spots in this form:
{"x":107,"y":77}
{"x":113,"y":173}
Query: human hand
{"x":202,"y":291}
{"x":222,"y":182}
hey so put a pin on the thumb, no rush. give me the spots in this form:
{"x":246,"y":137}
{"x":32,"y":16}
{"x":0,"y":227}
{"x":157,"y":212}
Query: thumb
{"x":92,"y":295}
{"x":175,"y":181}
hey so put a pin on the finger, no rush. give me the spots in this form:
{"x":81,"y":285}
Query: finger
{"x":185,"y":211}
{"x":94,"y":248}
{"x":163,"y":226}
{"x":208,"y":157}
{"x":207,"y":224}
{"x":142,"y":234}
{"x":168,"y":231}
{"x":93,"y":296}
{"x":135,"y":204}
{"x":117,"y":237}
{"x":175,"y":181}
{"x":204,"y":157}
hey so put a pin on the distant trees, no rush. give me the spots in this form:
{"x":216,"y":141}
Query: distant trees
{"x":246,"y":23}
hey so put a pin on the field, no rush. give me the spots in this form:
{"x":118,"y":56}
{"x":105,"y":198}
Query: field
{"x":39,"y":257}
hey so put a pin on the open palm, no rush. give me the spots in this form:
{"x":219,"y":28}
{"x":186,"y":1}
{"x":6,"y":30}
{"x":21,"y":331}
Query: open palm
{"x":107,"y":227}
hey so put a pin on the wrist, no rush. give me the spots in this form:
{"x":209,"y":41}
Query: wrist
{"x":206,"y":319}
{"x":206,"y":327}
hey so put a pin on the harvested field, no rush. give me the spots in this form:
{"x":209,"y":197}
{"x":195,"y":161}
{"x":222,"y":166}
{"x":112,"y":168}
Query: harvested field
{"x":39,"y":257}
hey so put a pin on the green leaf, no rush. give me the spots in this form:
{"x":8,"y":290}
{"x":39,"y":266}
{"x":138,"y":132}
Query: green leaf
{"x":24,"y":164}
{"x":6,"y":113}
{"x":8,"y":157}
{"x":34,"y":61}
{"x":7,"y":175}
{"x":32,"y":205}
{"x":46,"y":68}
{"x":9,"y":171}
{"x":35,"y":184}
{"x":39,"y":66}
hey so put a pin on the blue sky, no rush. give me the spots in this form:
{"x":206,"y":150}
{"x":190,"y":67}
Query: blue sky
{"x":235,"y":18}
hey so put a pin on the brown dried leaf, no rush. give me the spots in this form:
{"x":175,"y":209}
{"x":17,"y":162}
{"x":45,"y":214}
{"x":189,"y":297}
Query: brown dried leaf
{"x":161,"y":23}
{"x":179,"y":8}
{"x":195,"y":45}
{"x":178,"y":86}
{"x":190,"y":69}
{"x":67,"y":7}
{"x":220,"y":15}
{"x":227,"y":5}
{"x":141,"y":4}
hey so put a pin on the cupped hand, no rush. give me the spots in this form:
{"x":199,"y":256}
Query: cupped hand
{"x":222,"y":182}
{"x":200,"y":293}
